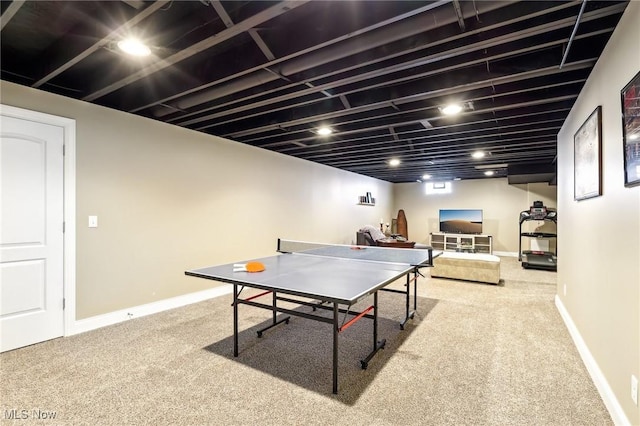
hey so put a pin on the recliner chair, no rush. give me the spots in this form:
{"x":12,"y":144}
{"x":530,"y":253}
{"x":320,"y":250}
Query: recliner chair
{"x":364,"y":239}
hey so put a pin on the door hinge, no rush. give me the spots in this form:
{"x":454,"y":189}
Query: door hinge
{"x":64,"y":227}
{"x":64,"y":150}
{"x":64,"y":303}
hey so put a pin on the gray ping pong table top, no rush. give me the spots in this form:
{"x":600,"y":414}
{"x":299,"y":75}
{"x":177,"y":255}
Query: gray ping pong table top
{"x":339,"y":274}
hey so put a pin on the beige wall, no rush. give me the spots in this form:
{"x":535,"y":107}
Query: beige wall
{"x":600,"y":245}
{"x":170,"y":199}
{"x":500,"y":202}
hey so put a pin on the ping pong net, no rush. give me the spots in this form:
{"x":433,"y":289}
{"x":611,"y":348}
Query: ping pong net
{"x":290,"y":246}
{"x":403,"y":256}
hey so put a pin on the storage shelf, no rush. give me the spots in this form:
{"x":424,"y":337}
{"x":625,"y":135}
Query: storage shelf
{"x":366,"y":200}
{"x":472,"y":243}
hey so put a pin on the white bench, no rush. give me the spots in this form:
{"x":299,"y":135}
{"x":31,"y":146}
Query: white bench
{"x":467,"y":266}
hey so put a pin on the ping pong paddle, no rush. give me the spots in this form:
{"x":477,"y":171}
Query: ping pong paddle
{"x":248,"y":267}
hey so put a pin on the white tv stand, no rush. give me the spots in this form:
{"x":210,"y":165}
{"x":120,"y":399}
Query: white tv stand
{"x":471,"y":243}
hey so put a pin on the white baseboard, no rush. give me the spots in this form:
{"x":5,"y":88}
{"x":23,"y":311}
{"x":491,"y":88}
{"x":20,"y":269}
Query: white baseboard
{"x":606,"y":393}
{"x":505,"y":253}
{"x":116,"y":317}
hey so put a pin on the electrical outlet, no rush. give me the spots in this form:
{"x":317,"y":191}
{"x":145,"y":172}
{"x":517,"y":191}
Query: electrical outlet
{"x":634,"y":389}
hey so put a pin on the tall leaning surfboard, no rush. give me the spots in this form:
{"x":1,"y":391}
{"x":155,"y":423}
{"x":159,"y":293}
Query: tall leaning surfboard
{"x":402,"y":224}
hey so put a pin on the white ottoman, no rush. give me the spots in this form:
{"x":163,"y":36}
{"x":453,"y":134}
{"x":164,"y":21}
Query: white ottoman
{"x":467,"y":266}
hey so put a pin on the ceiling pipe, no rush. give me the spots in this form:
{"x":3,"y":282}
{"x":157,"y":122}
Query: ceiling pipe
{"x":573,"y":33}
{"x":459,"y":14}
{"x":406,"y":28}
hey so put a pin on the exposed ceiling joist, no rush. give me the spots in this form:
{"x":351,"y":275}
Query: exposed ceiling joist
{"x":202,"y":45}
{"x":10,"y":12}
{"x":378,"y":73}
{"x":119,"y":32}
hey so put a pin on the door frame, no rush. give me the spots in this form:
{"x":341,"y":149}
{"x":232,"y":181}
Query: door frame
{"x":69,"y":202}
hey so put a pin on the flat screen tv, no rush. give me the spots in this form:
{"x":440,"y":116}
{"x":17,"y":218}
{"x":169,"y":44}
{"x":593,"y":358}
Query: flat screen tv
{"x":461,"y":221}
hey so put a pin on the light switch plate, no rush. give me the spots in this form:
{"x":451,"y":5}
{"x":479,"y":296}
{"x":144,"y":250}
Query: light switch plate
{"x":93,"y":221}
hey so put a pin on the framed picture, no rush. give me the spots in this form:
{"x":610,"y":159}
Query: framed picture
{"x":631,"y":131}
{"x":587,"y":158}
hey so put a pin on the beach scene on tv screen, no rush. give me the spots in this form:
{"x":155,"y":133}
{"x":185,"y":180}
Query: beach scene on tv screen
{"x":461,"y":221}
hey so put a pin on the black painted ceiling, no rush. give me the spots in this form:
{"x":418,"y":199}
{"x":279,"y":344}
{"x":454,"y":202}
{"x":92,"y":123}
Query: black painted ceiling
{"x":269,"y":73}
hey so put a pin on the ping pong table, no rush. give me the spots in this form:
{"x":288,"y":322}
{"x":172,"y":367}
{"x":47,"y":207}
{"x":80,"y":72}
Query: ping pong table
{"x":330,"y":277}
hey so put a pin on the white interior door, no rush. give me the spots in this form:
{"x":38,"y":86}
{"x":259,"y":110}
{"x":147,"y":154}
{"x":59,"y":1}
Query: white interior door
{"x":31,"y":232}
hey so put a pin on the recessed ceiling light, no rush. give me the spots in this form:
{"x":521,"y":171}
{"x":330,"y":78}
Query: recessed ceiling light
{"x":394,"y":162}
{"x":324,"y":131}
{"x":134,"y":47}
{"x":452,"y":109}
{"x":425,"y":176}
{"x":478,"y":154}
{"x":488,"y":173}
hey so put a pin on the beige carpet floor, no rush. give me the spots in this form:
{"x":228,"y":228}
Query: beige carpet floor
{"x":475,"y":354}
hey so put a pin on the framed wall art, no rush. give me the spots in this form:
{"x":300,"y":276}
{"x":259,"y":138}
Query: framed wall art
{"x":631,"y":131}
{"x":587,"y":157}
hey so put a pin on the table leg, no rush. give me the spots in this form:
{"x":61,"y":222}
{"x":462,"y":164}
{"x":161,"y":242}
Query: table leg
{"x":235,"y":319}
{"x":335,"y":347}
{"x":375,"y":321}
{"x":274,"y":307}
{"x":407,"y":303}
{"x":408,"y":296}
{"x":415,"y":289}
{"x":376,"y":345}
{"x":274,"y":320}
